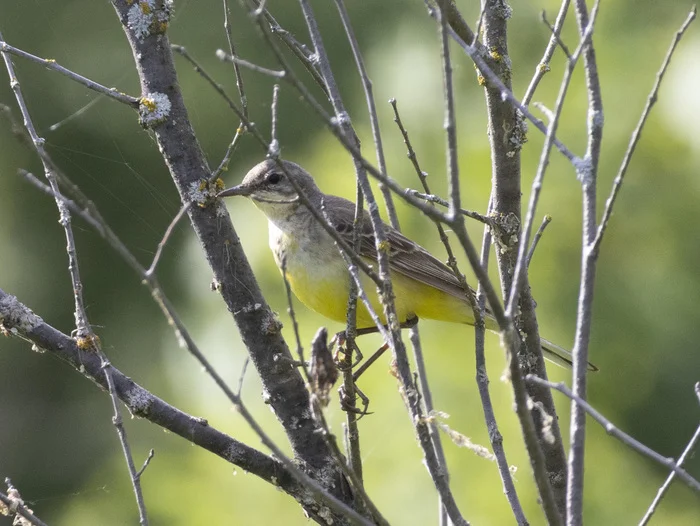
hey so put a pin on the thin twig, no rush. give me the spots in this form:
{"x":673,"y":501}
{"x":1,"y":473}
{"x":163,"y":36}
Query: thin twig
{"x":482,"y":382}
{"x":83,"y":331}
{"x":523,"y":259}
{"x":222,"y":55}
{"x":54,"y":66}
{"x":435,"y":199}
{"x":535,"y":240}
{"x":423,"y":178}
{"x":75,"y":114}
{"x":349,"y":390}
{"x":223,"y":165}
{"x":424,"y":386}
{"x":293,"y":317}
{"x":614,"y":431}
{"x":14,"y":504}
{"x":82,"y":326}
{"x":506,"y":173}
{"x":667,"y":484}
{"x":507,"y":94}
{"x":244,"y":369}
{"x":354,"y":456}
{"x":386,"y":291}
{"x":414,"y":334}
{"x":236,"y":69}
{"x":587,"y":173}
{"x":184,"y":336}
{"x":274,"y":149}
{"x":543,"y":66}
{"x":280,"y":471}
{"x":347,"y":470}
{"x":182,"y":51}
{"x":364,"y":194}
{"x":555,"y":34}
{"x":636,"y":134}
{"x":168,"y":232}
{"x":126,"y":448}
{"x":301,"y":51}
{"x":450,"y":120}
{"x":479,"y":23}
{"x":241,"y":113}
{"x":146,"y":463}
{"x":372,"y":110}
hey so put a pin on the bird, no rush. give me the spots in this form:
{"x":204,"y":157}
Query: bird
{"x":318,"y":275}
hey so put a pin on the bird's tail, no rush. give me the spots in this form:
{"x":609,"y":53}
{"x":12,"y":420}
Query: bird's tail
{"x":560,"y":356}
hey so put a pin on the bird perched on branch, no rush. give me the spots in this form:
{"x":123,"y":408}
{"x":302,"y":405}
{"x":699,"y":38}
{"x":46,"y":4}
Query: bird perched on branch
{"x":424,"y":287}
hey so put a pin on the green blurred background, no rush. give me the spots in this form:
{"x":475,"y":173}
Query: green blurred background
{"x":57,"y":443}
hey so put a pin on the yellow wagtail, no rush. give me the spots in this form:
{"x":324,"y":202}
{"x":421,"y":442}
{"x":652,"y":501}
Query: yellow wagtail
{"x":424,"y":287}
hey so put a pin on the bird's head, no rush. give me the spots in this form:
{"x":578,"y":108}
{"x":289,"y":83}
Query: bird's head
{"x":270,"y":188}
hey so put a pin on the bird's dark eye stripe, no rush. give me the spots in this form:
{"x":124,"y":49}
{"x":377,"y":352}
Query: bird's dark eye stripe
{"x":273,"y":178}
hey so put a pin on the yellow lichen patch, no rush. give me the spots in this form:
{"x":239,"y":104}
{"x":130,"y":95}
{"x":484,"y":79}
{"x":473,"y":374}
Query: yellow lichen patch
{"x":495,"y":54}
{"x":159,"y":27}
{"x":91,"y":342}
{"x":148,"y":103}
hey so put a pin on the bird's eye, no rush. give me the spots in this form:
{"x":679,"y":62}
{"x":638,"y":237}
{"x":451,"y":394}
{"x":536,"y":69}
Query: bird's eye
{"x":273,"y":178}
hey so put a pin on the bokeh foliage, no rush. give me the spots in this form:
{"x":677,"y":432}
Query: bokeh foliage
{"x":56,"y":439}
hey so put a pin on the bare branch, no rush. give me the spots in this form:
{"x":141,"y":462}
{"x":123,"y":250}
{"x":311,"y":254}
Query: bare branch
{"x":54,"y":66}
{"x":126,"y":448}
{"x":636,"y":134}
{"x":146,"y":463}
{"x":84,"y":335}
{"x":535,"y":240}
{"x":350,"y":473}
{"x":543,"y":66}
{"x":372,"y":109}
{"x":236,"y":69}
{"x":12,"y":504}
{"x":482,"y":382}
{"x":17,"y":319}
{"x":524,"y":259}
{"x":681,"y":460}
{"x":222,"y":55}
{"x":587,"y":172}
{"x":168,"y":232}
{"x":432,"y":198}
{"x":182,"y":51}
{"x":623,"y":437}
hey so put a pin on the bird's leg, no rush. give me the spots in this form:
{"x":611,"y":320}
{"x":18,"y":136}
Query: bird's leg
{"x":411,"y":322}
{"x":341,"y":339}
{"x":347,"y":405}
{"x":370,"y":361}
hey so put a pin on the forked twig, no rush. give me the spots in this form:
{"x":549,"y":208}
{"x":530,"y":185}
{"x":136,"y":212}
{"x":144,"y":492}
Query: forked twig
{"x":667,"y":483}
{"x":614,"y":431}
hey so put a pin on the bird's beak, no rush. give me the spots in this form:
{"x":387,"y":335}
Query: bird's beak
{"x":241,"y":189}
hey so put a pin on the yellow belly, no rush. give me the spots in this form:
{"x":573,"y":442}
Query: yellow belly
{"x":319,"y":278}
{"x":325,"y":287}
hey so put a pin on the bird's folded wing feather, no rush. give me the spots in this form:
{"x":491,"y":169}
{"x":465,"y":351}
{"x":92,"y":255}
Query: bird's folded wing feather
{"x":405,"y":256}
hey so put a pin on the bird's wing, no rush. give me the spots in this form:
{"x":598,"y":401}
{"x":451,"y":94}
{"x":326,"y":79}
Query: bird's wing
{"x":405,"y":256}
